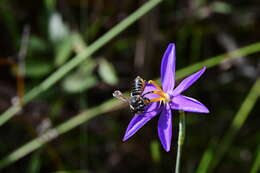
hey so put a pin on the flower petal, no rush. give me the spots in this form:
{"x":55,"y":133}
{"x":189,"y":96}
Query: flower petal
{"x":188,"y":104}
{"x":187,"y":82}
{"x":148,"y":88}
{"x":168,"y":68}
{"x":139,"y":121}
{"x":165,"y":128}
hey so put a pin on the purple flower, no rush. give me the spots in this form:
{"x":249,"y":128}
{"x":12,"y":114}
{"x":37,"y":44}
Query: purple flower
{"x":166,"y":99}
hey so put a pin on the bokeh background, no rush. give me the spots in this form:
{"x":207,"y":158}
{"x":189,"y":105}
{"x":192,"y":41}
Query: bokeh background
{"x":39,"y":37}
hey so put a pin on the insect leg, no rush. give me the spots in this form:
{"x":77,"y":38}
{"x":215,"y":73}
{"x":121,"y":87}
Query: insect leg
{"x":155,"y":84}
{"x":155,"y":100}
{"x":154,"y":92}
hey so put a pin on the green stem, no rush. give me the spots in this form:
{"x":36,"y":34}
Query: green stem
{"x":210,"y":159}
{"x":88,"y":114}
{"x":180,"y":140}
{"x":256,"y":165}
{"x":51,"y":134}
{"x":237,"y":123}
{"x":74,"y":62}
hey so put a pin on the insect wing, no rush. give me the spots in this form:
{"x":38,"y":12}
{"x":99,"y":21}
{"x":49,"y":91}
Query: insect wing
{"x":117,"y":94}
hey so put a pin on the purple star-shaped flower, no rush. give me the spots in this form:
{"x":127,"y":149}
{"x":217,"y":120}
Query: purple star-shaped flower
{"x":169,"y":98}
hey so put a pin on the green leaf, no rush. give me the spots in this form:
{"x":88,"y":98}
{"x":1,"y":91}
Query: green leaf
{"x":107,"y":72}
{"x":88,"y":66}
{"x":221,"y":7}
{"x":82,"y":79}
{"x":37,"y":68}
{"x":63,"y":50}
{"x":35,"y":163}
{"x":50,"y":4}
{"x":58,"y":30}
{"x":36,"y":44}
{"x":76,"y":83}
{"x":155,"y":151}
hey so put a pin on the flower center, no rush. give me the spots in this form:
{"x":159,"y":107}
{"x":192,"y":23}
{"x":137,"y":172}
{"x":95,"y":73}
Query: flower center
{"x":164,"y":97}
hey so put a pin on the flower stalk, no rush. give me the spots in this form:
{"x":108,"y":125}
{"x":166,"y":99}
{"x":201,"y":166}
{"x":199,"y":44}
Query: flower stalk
{"x":181,"y":139}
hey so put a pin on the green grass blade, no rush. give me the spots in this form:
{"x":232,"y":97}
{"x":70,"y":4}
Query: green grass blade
{"x":256,"y":165}
{"x":106,"y":107}
{"x":55,"y":132}
{"x":155,"y":151}
{"x":214,"y":158}
{"x":247,"y":50}
{"x":205,"y":161}
{"x":66,"y":68}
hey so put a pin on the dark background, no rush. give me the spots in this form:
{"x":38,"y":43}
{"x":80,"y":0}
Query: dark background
{"x":200,"y":29}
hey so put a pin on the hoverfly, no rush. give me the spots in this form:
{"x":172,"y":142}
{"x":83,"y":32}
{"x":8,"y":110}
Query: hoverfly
{"x":136,"y":101}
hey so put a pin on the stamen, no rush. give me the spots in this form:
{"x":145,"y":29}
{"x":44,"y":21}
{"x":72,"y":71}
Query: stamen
{"x":156,"y":100}
{"x":164,"y":97}
{"x":160,"y":93}
{"x":155,"y":84}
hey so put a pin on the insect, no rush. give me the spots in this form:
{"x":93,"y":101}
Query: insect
{"x":136,"y":101}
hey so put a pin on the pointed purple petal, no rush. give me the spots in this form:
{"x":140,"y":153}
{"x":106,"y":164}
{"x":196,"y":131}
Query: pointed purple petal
{"x":188,"y":104}
{"x":148,"y":88}
{"x":168,"y":68}
{"x":139,"y":121}
{"x":187,"y":82}
{"x":165,"y":127}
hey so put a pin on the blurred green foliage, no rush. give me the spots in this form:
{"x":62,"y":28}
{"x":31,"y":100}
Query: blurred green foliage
{"x":61,"y":31}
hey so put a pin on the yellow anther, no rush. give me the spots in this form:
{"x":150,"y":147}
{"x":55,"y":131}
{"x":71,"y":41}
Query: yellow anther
{"x":164,"y":97}
{"x":155,"y":84}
